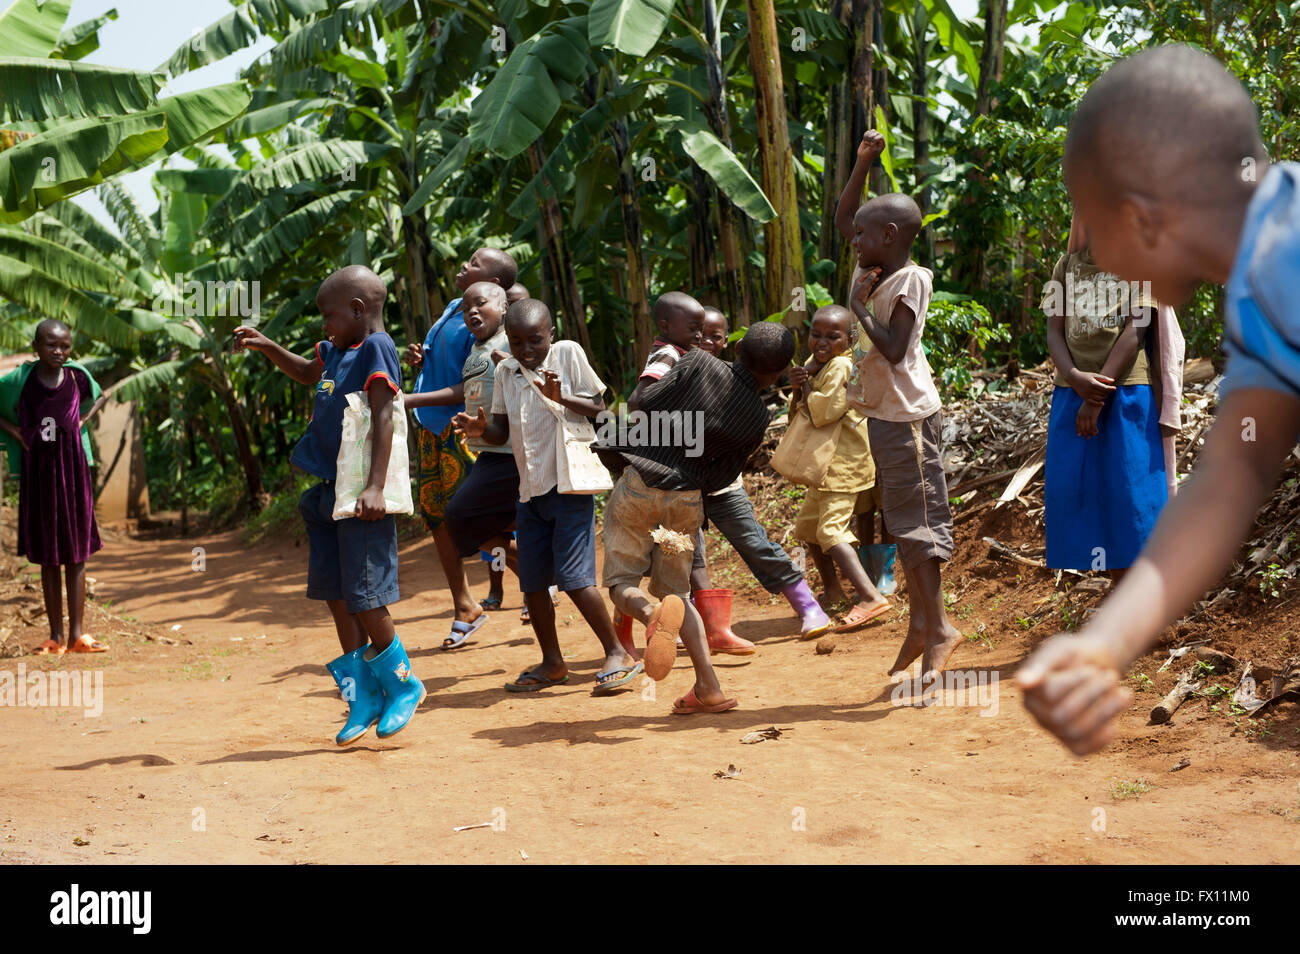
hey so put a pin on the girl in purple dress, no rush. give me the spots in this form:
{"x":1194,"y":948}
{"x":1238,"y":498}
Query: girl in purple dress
{"x":56,"y":508}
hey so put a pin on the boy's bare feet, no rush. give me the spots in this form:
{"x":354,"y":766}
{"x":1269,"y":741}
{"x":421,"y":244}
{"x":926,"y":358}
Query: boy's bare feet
{"x":938,"y":651}
{"x":913,"y":645}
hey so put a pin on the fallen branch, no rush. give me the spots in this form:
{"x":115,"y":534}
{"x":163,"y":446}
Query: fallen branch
{"x":1167,"y":706}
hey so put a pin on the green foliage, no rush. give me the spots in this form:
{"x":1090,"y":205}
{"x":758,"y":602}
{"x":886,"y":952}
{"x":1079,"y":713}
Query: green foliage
{"x":957,"y":336}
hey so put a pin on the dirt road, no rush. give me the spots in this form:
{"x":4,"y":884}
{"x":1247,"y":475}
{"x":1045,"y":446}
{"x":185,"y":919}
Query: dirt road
{"x":222,"y":750}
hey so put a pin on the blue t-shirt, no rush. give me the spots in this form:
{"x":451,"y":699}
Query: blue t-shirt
{"x":446,"y":347}
{"x":346,"y":371}
{"x":1261,"y":327}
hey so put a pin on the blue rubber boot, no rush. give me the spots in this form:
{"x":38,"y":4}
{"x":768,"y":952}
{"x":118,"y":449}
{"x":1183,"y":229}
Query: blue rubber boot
{"x":878,"y":560}
{"x":403,"y":693}
{"x":361,"y":691}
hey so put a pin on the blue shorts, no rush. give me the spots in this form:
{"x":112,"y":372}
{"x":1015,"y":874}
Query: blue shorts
{"x":556,"y":537}
{"x":353,"y":560}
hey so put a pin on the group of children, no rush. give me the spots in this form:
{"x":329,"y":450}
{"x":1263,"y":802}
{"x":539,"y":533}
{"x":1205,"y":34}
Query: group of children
{"x":499,"y":402}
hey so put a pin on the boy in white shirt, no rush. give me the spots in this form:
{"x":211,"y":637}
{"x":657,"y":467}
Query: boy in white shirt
{"x":555,"y":533}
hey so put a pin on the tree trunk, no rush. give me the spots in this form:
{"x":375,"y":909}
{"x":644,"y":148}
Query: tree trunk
{"x":564,"y":279}
{"x":737,"y":300}
{"x":239,"y":428}
{"x":704,"y":266}
{"x":638,"y":278}
{"x":921,"y":128}
{"x":995,"y":38}
{"x":850,"y":101}
{"x":418,"y":320}
{"x":782,"y":246}
{"x":879,"y":91}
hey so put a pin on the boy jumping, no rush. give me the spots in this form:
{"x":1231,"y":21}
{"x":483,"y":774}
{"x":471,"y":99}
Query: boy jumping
{"x":352,"y":564}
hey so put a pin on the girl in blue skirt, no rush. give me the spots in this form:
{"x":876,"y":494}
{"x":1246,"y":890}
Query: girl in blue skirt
{"x":1105,"y":468}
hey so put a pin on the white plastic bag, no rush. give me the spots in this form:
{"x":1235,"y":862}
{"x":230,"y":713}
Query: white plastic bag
{"x":354,"y":459}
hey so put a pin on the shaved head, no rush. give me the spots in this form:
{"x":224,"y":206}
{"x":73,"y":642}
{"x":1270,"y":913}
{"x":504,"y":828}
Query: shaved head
{"x":490,"y":290}
{"x":528,"y":312}
{"x":675,"y":303}
{"x":499,"y":265}
{"x":895,"y":207}
{"x":1169,"y":121}
{"x":356,"y":281}
{"x":50,"y":326}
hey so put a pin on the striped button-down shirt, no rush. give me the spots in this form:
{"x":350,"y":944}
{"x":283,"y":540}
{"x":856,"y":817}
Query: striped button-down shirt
{"x":727,"y":423}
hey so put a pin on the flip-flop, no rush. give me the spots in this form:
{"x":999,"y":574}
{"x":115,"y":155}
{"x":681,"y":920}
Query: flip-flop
{"x":661,"y":637}
{"x":88,"y":644}
{"x":606,"y":688}
{"x":49,"y":648}
{"x":461,"y":632}
{"x":848,"y":623}
{"x":539,"y":682}
{"x":491,"y":603}
{"x":689,"y":704}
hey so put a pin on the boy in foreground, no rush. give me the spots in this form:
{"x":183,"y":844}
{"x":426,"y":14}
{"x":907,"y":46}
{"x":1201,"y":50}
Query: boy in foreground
{"x":1205,"y":206}
{"x":352,"y":564}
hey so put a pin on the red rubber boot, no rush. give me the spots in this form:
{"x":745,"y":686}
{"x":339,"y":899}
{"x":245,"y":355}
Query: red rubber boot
{"x":714,"y":607}
{"x":623,"y":627}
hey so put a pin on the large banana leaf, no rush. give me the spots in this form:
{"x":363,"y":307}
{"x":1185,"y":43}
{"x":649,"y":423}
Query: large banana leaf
{"x":131,"y":221}
{"x":232,"y":32}
{"x":62,"y":263}
{"x":32,"y":27}
{"x":36,"y":89}
{"x":725,"y":169}
{"x":292,"y":232}
{"x":522,"y":99}
{"x":148,"y":381}
{"x":83,"y":39}
{"x":51,"y":297}
{"x":302,"y":48}
{"x":74,"y":156}
{"x":633,"y":26}
{"x":256,"y":122}
{"x":75,"y":220}
{"x":453,"y":160}
{"x":325,"y":161}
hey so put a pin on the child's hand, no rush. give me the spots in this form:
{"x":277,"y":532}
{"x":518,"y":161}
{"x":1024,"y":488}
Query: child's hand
{"x":550,"y":386}
{"x":1071,"y":687}
{"x":866,"y":284}
{"x":872,"y":145}
{"x":799,"y":375}
{"x":498,"y":356}
{"x":249,"y":339}
{"x":414,"y":356}
{"x":370,"y":505}
{"x":1085,"y":422}
{"x":470,"y":426}
{"x":1092,"y":385}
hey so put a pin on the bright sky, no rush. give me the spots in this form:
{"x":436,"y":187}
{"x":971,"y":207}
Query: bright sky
{"x":144,"y":35}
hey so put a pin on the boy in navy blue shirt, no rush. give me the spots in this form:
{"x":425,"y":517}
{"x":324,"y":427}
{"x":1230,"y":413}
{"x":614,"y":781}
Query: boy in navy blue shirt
{"x":353,"y":562}
{"x":1169,"y":177}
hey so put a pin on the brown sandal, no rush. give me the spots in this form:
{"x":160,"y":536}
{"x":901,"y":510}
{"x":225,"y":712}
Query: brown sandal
{"x":88,"y":644}
{"x":858,"y":616}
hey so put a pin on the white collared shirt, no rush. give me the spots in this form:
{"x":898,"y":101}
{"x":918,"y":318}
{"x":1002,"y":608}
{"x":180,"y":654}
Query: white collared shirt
{"x":532,"y":424}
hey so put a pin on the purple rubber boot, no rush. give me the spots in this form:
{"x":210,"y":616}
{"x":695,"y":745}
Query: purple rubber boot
{"x":815,"y":621}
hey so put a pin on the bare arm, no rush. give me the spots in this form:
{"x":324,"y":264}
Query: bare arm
{"x":370,"y":504}
{"x":1072,"y":682}
{"x":443,"y":397}
{"x":871,"y":146}
{"x":14,"y":431}
{"x":94,"y":409}
{"x":300,"y":369}
{"x":890,"y":340}
{"x":495,"y":430}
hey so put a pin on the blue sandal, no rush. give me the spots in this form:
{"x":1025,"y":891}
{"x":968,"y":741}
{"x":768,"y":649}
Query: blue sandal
{"x":491,"y":603}
{"x":461,"y":632}
{"x":608,"y":686}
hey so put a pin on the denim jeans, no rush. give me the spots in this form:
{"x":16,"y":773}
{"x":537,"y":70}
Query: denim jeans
{"x":733,"y":515}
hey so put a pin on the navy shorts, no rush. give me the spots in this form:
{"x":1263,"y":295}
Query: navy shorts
{"x":353,"y":560}
{"x":483,"y":506}
{"x":556,"y":536}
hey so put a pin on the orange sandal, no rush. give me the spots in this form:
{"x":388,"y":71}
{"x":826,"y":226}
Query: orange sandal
{"x":49,"y":648}
{"x":689,"y":704}
{"x":88,"y":644}
{"x":661,"y":637}
{"x":857,"y":617}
